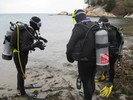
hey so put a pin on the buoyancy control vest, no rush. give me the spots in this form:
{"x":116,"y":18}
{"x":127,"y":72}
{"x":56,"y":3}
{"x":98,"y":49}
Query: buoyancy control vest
{"x":83,"y":51}
{"x":94,"y":46}
{"x":10,"y":41}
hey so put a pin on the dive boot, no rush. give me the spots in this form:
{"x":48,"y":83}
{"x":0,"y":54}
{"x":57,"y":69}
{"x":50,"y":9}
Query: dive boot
{"x":106,"y":90}
{"x":101,"y":79}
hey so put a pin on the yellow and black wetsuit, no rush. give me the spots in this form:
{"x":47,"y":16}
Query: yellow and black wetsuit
{"x":25,"y":44}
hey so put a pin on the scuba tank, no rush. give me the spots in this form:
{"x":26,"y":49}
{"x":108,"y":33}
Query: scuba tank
{"x":7,"y":50}
{"x":102,"y":50}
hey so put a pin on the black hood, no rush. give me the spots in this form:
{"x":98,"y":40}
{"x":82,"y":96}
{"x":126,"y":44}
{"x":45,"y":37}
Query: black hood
{"x":80,"y":15}
{"x":33,"y":22}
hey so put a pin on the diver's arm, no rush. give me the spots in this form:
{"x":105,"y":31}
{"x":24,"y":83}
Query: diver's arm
{"x":43,"y":39}
{"x":76,"y":35}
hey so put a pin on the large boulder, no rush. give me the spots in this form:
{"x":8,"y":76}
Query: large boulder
{"x":129,"y":16}
{"x":98,"y":11}
{"x":63,"y":13}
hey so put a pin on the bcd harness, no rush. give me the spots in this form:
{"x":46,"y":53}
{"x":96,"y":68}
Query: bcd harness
{"x":17,"y":50}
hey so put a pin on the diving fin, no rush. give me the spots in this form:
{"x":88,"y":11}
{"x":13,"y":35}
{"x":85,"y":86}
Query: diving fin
{"x":106,"y":90}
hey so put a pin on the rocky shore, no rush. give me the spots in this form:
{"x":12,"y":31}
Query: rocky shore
{"x":60,"y":84}
{"x":98,"y":11}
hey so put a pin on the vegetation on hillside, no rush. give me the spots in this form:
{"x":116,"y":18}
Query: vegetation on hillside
{"x":117,"y":7}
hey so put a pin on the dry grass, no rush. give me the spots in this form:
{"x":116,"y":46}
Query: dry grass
{"x":124,"y":77}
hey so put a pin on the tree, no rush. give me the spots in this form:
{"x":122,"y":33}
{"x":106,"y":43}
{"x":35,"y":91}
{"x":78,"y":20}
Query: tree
{"x":105,"y":2}
{"x":93,"y":3}
{"x":110,"y":5}
{"x":99,"y":2}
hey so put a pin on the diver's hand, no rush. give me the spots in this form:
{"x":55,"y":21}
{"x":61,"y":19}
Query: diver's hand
{"x":36,"y":44}
{"x":42,"y":46}
{"x":70,"y":58}
{"x":45,"y":40}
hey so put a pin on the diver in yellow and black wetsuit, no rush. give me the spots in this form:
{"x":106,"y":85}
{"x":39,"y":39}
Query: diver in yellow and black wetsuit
{"x":23,"y":41}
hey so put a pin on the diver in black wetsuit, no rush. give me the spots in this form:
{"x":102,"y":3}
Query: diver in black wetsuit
{"x":26,"y":42}
{"x":86,"y":69}
{"x":115,"y":40}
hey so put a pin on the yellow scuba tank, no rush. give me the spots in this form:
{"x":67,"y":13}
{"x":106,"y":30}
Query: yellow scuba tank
{"x":7,"y":50}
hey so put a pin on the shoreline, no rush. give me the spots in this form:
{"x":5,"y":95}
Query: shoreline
{"x":98,"y":11}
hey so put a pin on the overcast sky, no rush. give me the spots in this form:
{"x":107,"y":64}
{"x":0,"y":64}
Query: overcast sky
{"x":40,"y":6}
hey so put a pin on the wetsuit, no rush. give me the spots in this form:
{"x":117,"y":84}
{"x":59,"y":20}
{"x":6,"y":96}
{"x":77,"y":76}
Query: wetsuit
{"x":26,"y":41}
{"x":86,"y":69}
{"x":114,"y":43}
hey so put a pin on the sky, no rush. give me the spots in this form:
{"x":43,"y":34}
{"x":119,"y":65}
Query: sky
{"x":40,"y":6}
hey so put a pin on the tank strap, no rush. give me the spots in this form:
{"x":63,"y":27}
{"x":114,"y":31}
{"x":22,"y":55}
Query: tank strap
{"x":15,"y":50}
{"x":98,"y":46}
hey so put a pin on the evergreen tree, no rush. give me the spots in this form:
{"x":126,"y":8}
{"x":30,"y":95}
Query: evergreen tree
{"x":110,"y":5}
{"x":99,"y":2}
{"x":93,"y":3}
{"x":105,"y":2}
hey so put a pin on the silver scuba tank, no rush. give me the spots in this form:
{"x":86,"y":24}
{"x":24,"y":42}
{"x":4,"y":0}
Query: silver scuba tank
{"x":102,"y":50}
{"x":7,"y":50}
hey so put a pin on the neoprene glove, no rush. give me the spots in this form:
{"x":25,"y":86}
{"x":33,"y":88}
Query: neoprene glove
{"x":42,"y":46}
{"x":36,"y":44}
{"x":70,"y":58}
{"x":45,"y":40}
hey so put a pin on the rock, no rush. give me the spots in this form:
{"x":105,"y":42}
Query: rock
{"x":46,"y":89}
{"x":129,"y":16}
{"x":49,"y":76}
{"x":63,"y":13}
{"x":9,"y":89}
{"x":122,"y":97}
{"x":1,"y":88}
{"x":62,"y":95}
{"x":97,"y":11}
{"x":41,"y":96}
{"x":129,"y":98}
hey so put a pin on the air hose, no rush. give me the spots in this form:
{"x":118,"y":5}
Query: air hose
{"x":18,"y":35}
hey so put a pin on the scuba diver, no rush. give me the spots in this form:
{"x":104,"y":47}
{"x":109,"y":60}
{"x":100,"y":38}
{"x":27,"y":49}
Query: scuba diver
{"x":86,"y":67}
{"x":116,"y":42}
{"x":22,"y":42}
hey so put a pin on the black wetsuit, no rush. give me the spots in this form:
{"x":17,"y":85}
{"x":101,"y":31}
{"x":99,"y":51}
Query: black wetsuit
{"x":86,"y":69}
{"x":26,"y":41}
{"x":114,"y":43}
